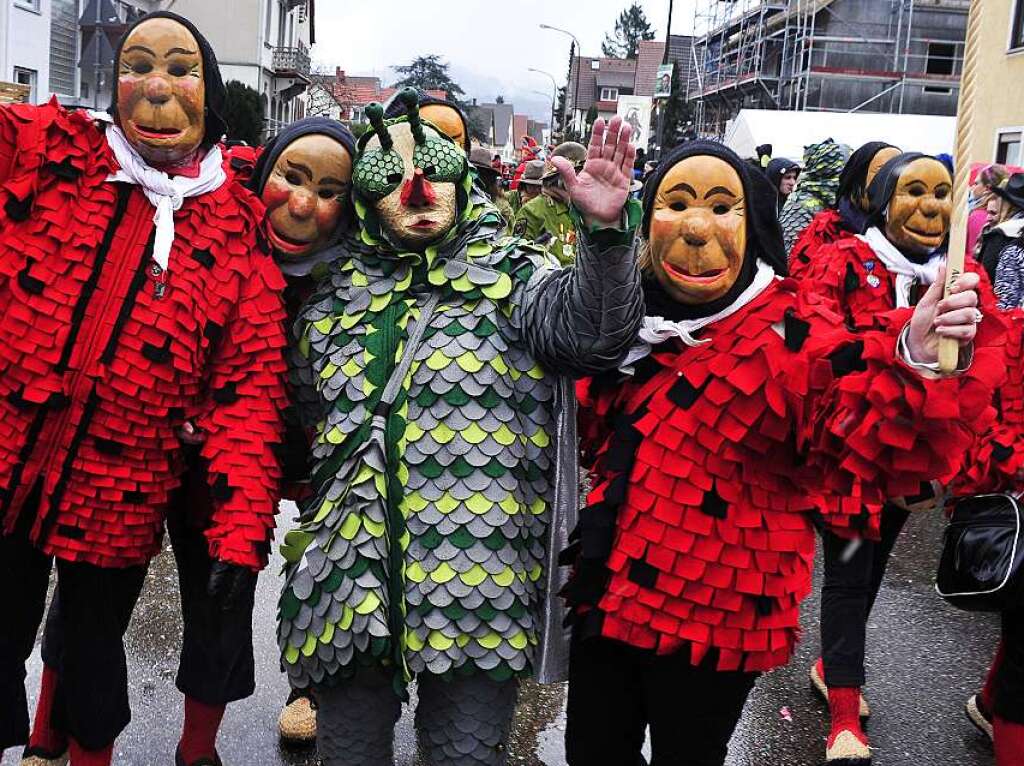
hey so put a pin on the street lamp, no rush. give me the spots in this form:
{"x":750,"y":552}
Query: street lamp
{"x":579,"y":55}
{"x":554,"y":92}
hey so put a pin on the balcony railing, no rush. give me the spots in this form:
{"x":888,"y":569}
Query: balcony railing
{"x":292,"y":62}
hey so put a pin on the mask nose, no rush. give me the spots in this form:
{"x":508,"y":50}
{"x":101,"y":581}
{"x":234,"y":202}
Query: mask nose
{"x":301,"y":204}
{"x":418,"y":191}
{"x":157,"y":90}
{"x":696,"y":231}
{"x":930,"y":207}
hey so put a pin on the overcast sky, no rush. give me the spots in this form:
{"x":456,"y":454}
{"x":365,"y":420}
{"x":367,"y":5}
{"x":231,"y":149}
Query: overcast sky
{"x":490,"y":45}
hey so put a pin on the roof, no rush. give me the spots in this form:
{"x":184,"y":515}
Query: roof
{"x":588,"y":77}
{"x":615,"y":79}
{"x":788,"y":132}
{"x":647,"y":63}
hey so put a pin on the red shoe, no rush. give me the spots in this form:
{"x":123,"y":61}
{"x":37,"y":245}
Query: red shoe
{"x":817,"y":675}
{"x":847,"y":743}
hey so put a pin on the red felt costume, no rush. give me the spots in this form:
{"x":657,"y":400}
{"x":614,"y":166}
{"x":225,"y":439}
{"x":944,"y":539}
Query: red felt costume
{"x":698,"y":533}
{"x":824,"y":229}
{"x":104,"y":356}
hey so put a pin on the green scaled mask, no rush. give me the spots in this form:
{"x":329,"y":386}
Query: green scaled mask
{"x":410,"y":175}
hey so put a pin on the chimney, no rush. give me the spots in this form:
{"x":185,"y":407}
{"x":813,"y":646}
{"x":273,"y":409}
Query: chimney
{"x":339,"y":73}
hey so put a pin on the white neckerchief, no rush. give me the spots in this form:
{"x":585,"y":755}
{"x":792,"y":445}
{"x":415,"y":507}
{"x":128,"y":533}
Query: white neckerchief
{"x":907,"y":272}
{"x":657,"y":330}
{"x":165,"y":193}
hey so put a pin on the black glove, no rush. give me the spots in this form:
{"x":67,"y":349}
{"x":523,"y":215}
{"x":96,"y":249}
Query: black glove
{"x":231,"y":586}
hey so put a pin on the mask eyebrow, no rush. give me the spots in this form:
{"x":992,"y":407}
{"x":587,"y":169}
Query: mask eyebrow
{"x":141,"y":48}
{"x":683,"y":187}
{"x":180,"y":50}
{"x":718,"y":190}
{"x":301,"y":168}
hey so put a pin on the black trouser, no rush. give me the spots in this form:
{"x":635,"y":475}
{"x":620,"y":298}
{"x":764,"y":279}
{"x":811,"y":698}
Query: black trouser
{"x":616,"y":691}
{"x":85,"y":645}
{"x":216,"y":665}
{"x":853,"y":576}
{"x":1008,"y":692}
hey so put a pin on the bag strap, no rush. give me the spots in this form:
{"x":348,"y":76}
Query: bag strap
{"x":412,"y":344}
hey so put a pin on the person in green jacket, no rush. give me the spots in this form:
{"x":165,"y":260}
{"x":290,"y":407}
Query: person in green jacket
{"x":545,"y":219}
{"x":529,"y":185}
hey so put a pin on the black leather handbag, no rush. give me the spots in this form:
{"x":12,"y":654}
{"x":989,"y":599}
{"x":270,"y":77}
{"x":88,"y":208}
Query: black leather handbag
{"x":982,"y":564}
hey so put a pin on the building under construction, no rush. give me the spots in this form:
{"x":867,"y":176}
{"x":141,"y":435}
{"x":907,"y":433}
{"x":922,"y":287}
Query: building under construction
{"x":902,"y":56}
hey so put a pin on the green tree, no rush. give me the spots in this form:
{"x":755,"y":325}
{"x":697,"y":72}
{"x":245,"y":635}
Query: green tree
{"x":631,"y":27}
{"x":479,"y":123}
{"x":243,"y":112}
{"x":429,"y":73}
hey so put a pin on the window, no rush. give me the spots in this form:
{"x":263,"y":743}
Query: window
{"x":940,"y":61}
{"x":609,"y":94}
{"x":358,"y":115}
{"x":595,"y":65}
{"x":267,"y":22}
{"x":27,"y":77}
{"x":28,"y":5}
{"x":282,"y":23}
{"x":63,"y":47}
{"x":1017,"y":27}
{"x":1008,"y":147}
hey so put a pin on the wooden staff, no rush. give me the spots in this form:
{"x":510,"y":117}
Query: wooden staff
{"x":949,"y":349}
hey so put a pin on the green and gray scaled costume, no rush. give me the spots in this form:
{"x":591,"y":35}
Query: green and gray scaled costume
{"x":426,"y":547}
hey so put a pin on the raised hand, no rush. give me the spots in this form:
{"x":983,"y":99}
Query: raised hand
{"x":599,"y":191}
{"x":954,"y":317}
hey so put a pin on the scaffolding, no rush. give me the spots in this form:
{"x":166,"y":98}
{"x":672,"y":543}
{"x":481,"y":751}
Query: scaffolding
{"x":830,"y":55}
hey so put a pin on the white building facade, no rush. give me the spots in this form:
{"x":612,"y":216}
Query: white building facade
{"x":24,"y":45}
{"x":264,"y":44}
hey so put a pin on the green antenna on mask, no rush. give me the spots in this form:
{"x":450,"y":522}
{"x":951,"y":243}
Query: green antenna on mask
{"x":375,"y":114}
{"x":411,"y":100}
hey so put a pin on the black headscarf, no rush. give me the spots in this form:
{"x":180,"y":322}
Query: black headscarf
{"x":216,"y":93}
{"x":764,"y":235}
{"x":853,"y":183}
{"x":882,"y":188}
{"x":265,"y":166}
{"x":397,"y":108}
{"x":304,"y":127}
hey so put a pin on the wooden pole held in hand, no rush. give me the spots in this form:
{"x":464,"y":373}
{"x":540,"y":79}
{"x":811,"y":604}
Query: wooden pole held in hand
{"x":949,"y":349}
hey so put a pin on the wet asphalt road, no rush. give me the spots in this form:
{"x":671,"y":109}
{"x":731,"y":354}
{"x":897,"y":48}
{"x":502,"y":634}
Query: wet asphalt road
{"x":924,"y":660}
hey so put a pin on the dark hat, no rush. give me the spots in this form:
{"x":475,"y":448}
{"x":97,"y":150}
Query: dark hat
{"x":1013,"y":190}
{"x":778,"y":167}
{"x":216,"y":93}
{"x":575,"y":152}
{"x":480,"y":159}
{"x":855,"y":172}
{"x":764,"y":235}
{"x":533,"y":173}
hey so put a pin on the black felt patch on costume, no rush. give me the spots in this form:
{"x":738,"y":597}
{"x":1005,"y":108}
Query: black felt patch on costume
{"x":204,"y":257}
{"x":713,"y":504}
{"x":848,"y":358}
{"x":157,"y":354}
{"x":851,"y":281}
{"x":107,"y":446}
{"x":683,"y":394}
{"x":18,"y":209}
{"x":796,"y":331}
{"x":1001,"y":452}
{"x":764,"y":605}
{"x":64,"y":170}
{"x":220,"y":490}
{"x":28,"y":283}
{"x":134,"y":497}
{"x":70,"y":533}
{"x":226,"y":394}
{"x":643,"y":574}
{"x":213,"y":332}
